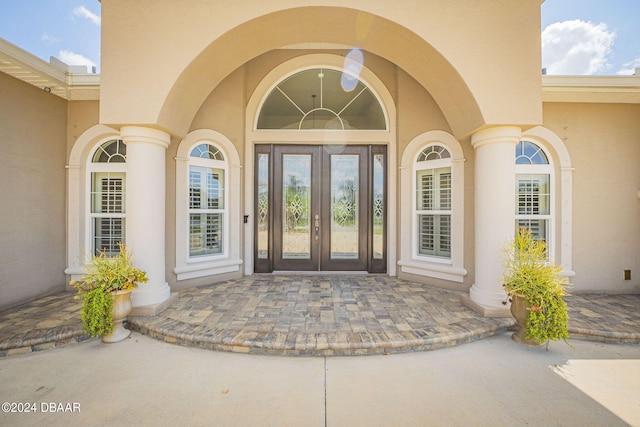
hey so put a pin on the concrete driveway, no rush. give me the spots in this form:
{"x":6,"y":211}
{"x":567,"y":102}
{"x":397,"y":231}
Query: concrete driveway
{"x":492,"y":382}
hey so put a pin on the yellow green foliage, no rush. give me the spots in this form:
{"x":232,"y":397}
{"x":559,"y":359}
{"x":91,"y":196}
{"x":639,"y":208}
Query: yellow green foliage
{"x":529,"y":273}
{"x":97,"y":307}
{"x":104,"y":275}
{"x":114,"y":273}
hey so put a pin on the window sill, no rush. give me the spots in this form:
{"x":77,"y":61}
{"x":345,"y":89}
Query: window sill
{"x":432,"y":269}
{"x":207,"y":268}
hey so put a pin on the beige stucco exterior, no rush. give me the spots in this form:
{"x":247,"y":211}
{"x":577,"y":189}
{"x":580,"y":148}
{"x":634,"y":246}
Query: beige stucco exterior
{"x":32,"y":212}
{"x":604,"y":143}
{"x":449,"y":48}
{"x":465,"y":74}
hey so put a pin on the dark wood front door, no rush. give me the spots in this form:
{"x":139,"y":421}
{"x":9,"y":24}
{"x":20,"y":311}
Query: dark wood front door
{"x":325,"y":208}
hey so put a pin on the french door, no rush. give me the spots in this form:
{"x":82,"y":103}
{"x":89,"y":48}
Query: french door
{"x":320,"y":208}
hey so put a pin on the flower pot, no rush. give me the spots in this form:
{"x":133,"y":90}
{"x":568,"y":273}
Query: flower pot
{"x":121,"y":308}
{"x":521,"y":314}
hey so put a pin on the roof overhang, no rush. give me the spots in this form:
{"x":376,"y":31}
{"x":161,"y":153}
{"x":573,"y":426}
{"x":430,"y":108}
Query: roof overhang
{"x":592,"y":89}
{"x":68,"y":82}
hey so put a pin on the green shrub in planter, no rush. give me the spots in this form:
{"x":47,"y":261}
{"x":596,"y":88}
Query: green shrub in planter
{"x":104,"y":275}
{"x":529,"y":273}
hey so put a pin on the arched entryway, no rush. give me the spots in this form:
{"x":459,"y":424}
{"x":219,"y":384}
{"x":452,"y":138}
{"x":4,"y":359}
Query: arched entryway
{"x":320,"y":156}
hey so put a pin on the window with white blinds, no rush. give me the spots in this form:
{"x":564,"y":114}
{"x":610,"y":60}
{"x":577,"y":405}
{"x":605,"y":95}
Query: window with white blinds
{"x":207,"y":206}
{"x":533,"y":190}
{"x":107,"y":198}
{"x":433,"y":202}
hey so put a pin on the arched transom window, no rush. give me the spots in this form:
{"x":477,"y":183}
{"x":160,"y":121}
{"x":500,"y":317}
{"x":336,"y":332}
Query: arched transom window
{"x":434,"y":152}
{"x":207,"y":151}
{"x":321,"y":98}
{"x":533,"y":190}
{"x":433,"y":202}
{"x":107,"y":199}
{"x":528,"y":153}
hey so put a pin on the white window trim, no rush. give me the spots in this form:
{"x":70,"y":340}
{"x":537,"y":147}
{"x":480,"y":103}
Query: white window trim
{"x":451,"y":269}
{"x":430,"y":165}
{"x":228,"y":262}
{"x":562,"y":193}
{"x":77,"y":193}
{"x":92,"y":168}
{"x":540,"y":169}
{"x":222,"y":165}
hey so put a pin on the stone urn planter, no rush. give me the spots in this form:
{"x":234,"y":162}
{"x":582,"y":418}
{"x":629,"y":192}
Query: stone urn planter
{"x":520,"y":312}
{"x":105,"y":290}
{"x":121,"y":308}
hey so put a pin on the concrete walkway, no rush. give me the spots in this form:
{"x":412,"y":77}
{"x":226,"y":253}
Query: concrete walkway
{"x":493,"y":382}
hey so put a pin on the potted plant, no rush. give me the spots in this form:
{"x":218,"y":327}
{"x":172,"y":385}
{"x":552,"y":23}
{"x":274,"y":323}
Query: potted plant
{"x":535,"y":288}
{"x":105,"y":291}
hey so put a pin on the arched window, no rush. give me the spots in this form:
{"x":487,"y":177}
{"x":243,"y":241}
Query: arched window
{"x":207,"y":201}
{"x":322,"y":98}
{"x":107,"y":196}
{"x":433,"y":202}
{"x":208,"y":219}
{"x":533,"y":190}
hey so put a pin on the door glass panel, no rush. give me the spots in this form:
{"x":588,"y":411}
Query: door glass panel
{"x":378,"y":206}
{"x":344,"y":206}
{"x":296,"y":206}
{"x":263,"y":206}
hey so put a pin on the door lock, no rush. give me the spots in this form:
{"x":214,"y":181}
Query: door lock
{"x":317,"y":225}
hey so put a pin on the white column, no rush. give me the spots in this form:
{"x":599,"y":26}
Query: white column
{"x":145,"y":209}
{"x":494,"y":210}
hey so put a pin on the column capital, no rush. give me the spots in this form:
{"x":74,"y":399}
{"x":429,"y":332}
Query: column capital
{"x":134,"y":134}
{"x":496,"y":134}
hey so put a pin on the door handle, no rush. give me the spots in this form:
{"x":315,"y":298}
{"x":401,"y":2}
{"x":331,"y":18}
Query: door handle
{"x":317,"y":225}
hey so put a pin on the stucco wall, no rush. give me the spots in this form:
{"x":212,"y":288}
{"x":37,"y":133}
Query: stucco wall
{"x":604,"y":144}
{"x":462,"y":53}
{"x":81,"y":116}
{"x":222,"y":111}
{"x":32,"y":190}
{"x":417,"y":112}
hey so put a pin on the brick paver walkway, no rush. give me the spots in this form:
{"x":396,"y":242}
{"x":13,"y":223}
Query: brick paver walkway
{"x":319,"y":315}
{"x":313,"y":315}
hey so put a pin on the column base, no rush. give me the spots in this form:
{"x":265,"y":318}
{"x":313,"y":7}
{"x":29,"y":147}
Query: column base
{"x":154,"y":309}
{"x":150,"y":294}
{"x":487,"y":304}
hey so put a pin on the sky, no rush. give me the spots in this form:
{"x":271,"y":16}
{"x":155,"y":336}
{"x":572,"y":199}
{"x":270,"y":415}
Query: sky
{"x":579,"y":37}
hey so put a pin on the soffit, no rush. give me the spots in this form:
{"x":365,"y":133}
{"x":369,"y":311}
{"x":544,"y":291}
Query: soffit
{"x":32,"y":70}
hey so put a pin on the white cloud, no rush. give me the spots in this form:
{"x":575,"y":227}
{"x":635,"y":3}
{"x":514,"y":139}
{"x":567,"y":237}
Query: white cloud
{"x":49,"y":39}
{"x":71,"y":58}
{"x":86,"y":13}
{"x":576,"y":47}
{"x":629,"y":68}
